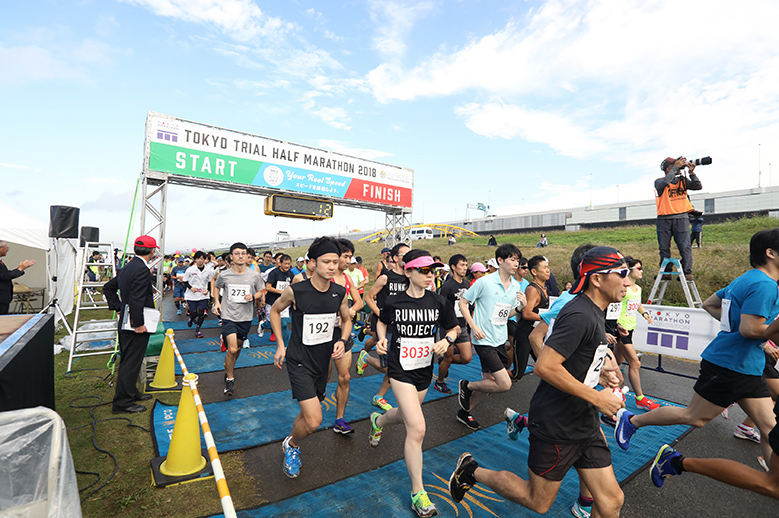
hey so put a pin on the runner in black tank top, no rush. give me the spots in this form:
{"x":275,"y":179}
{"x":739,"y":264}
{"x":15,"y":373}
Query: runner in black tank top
{"x":537,"y":299}
{"x":316,"y":304}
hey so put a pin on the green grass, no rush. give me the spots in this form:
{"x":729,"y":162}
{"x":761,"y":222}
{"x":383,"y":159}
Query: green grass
{"x":129,"y":493}
{"x":724,"y":257}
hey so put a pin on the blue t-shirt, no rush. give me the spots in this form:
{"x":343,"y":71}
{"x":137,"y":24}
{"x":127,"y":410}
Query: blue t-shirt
{"x":492,"y":304}
{"x":177,"y":270}
{"x":557,"y":305}
{"x":753,"y":293}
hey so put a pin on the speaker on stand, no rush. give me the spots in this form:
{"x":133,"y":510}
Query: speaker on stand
{"x":63,"y":225}
{"x":89,"y":235}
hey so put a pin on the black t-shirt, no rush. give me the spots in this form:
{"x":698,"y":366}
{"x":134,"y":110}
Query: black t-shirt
{"x":578,"y":334}
{"x":396,"y":283}
{"x":452,"y":291}
{"x":412,"y":323}
{"x":278,"y":280}
{"x":527,"y":325}
{"x":313,"y":317}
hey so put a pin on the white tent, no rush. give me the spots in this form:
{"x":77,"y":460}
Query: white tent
{"x":27,"y":238}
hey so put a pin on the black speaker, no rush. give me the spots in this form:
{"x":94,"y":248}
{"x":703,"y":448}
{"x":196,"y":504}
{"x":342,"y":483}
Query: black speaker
{"x":89,"y":235}
{"x":63,"y":222}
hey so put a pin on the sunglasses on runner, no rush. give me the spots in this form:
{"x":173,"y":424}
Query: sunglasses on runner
{"x":639,"y":268}
{"x":622,"y":273}
{"x":425,"y":270}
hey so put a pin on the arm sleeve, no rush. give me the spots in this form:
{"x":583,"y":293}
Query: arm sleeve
{"x":259,"y":285}
{"x":662,"y":183}
{"x":219,"y":282}
{"x":474,"y":291}
{"x":694,"y":184}
{"x":110,"y":290}
{"x":138,"y":290}
{"x":760,"y":300}
{"x":7,"y":275}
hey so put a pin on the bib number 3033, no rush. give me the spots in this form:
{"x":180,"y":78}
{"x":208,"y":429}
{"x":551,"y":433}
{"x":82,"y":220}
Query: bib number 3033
{"x":318,"y":329}
{"x":415,"y":353}
{"x":593,"y":373}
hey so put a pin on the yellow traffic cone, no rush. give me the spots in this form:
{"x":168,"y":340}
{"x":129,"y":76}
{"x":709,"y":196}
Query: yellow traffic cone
{"x":184,"y":453}
{"x":165,"y":377}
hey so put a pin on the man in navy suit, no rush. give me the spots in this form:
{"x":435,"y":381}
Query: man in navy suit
{"x":6,"y":278}
{"x":134,"y":283}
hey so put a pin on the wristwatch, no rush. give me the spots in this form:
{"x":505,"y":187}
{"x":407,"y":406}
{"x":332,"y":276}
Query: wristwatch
{"x":450,"y":340}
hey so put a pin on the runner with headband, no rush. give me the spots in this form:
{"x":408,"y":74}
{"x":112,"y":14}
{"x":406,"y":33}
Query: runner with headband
{"x":316,"y":304}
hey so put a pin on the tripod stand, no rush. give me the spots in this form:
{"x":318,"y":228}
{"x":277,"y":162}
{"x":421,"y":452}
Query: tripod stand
{"x":53,"y":303}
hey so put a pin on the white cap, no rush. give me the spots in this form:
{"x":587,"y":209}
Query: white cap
{"x":353,"y":261}
{"x":300,"y":259}
{"x":445,"y":268}
{"x":492,"y":262}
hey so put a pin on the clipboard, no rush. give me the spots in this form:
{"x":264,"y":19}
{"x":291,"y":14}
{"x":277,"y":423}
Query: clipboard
{"x":151,"y":318}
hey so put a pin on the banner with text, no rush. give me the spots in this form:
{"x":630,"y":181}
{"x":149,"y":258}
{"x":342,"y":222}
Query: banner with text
{"x":675,"y":331}
{"x":196,"y":150}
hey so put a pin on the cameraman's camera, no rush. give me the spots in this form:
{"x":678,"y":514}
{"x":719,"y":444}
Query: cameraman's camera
{"x":700,"y":161}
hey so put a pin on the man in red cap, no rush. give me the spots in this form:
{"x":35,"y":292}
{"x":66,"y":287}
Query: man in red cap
{"x":134,"y":284}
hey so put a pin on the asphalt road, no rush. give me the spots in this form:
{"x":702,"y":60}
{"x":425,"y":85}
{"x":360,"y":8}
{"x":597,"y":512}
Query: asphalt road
{"x":329,"y":457}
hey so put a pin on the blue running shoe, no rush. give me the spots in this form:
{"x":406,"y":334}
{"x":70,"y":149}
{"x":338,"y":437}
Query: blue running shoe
{"x":662,"y":466}
{"x":291,"y":459}
{"x":341,"y":426}
{"x":624,"y":429}
{"x":580,"y":511}
{"x":515,"y":423}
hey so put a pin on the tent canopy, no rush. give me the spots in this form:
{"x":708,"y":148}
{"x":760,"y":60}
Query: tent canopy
{"x":21,"y":229}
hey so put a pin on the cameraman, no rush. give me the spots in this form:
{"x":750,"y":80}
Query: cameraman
{"x":673,"y":208}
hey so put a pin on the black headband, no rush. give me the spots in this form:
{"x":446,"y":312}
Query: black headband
{"x":325,"y":247}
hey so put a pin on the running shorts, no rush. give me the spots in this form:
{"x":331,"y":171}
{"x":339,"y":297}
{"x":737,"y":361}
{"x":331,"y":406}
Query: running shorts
{"x":493,"y":359}
{"x":552,"y":461}
{"x":723,"y":387}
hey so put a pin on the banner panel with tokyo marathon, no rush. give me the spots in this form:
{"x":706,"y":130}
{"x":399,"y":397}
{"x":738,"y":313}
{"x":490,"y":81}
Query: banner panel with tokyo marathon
{"x":185,"y":148}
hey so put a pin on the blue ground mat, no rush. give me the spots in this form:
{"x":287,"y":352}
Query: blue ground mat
{"x":181,"y":325}
{"x":385,"y":491}
{"x":243,"y":422}
{"x":205,"y":355}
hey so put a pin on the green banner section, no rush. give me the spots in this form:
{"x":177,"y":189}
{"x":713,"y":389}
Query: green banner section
{"x":202,"y":164}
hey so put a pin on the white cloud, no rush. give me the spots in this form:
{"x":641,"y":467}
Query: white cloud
{"x":394,"y":22}
{"x":336,"y":117}
{"x":627,"y":82}
{"x":241,"y":19}
{"x":32,"y":63}
{"x":19,"y":166}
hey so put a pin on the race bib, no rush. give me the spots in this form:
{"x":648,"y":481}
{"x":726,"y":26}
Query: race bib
{"x":613,"y":311}
{"x":282,"y":285}
{"x":500,"y":315}
{"x":593,"y":373}
{"x":415,"y":353}
{"x":318,"y":329}
{"x":457,"y":311}
{"x":237,"y":292}
{"x":724,"y":321}
{"x":633,"y":306}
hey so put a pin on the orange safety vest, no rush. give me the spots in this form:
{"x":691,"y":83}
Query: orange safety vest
{"x":674,"y":200}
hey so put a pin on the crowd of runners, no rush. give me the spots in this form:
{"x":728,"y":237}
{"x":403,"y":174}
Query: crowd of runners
{"x":420,"y":312}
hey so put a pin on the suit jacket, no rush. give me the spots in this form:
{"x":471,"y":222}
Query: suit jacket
{"x":6,"y":282}
{"x":134,"y":284}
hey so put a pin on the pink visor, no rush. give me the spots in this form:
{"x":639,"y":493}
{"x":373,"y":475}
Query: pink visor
{"x":421,"y":262}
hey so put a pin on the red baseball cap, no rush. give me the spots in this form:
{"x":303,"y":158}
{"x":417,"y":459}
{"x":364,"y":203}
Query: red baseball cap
{"x":146,"y":242}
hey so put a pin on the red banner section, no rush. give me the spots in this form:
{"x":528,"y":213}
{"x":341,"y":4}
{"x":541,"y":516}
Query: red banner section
{"x":377,"y":193}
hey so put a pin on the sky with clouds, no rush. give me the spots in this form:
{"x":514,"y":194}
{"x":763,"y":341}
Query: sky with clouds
{"x":515,"y":103}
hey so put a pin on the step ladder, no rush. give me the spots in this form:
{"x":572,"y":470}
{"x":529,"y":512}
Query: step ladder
{"x":676,"y":272}
{"x":89,"y":297}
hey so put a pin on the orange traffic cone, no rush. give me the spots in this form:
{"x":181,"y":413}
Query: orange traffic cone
{"x":165,"y":376}
{"x":184,"y":454}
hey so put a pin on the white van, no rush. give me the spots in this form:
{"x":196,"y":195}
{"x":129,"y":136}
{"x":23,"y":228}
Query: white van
{"x":421,"y":233}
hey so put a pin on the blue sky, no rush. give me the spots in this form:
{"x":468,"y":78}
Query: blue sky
{"x":515,"y":103}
